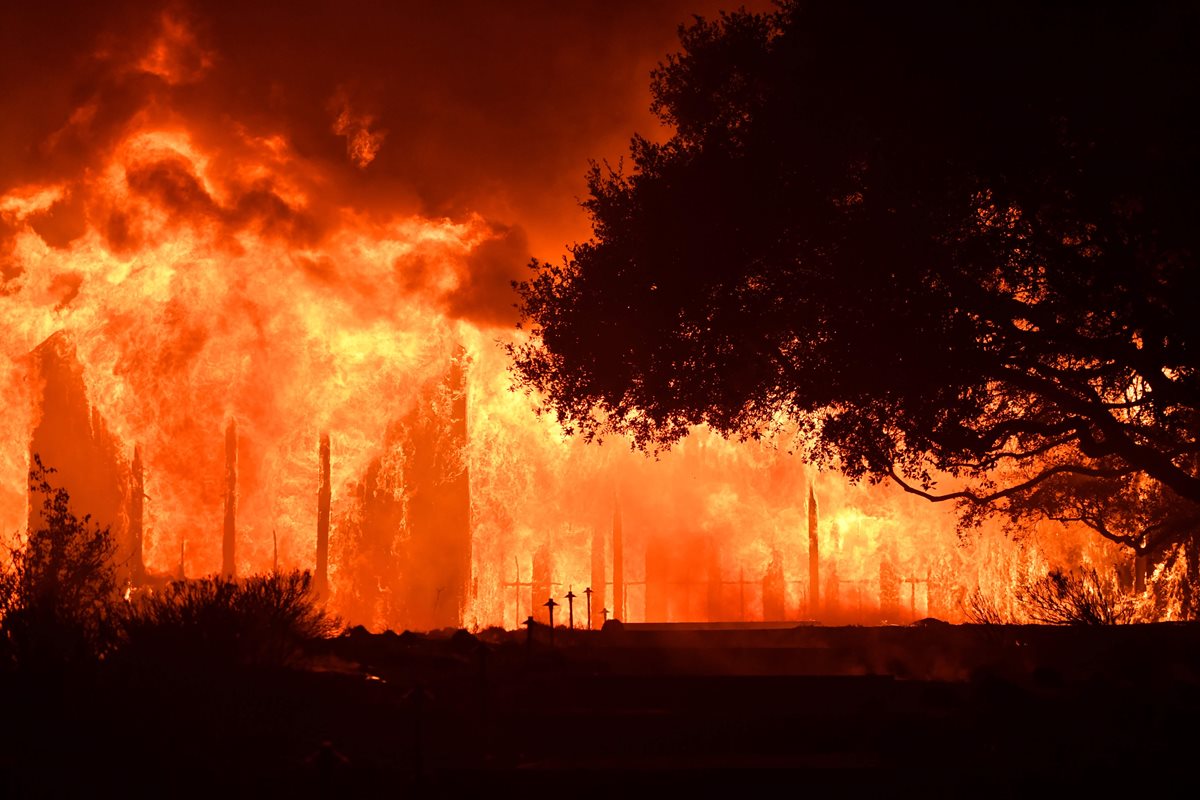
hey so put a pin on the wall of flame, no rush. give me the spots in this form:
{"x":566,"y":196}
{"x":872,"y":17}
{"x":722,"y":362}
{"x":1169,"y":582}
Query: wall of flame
{"x":208,"y":267}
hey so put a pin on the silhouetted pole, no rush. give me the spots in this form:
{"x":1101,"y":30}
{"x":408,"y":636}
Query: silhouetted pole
{"x":321,"y":584}
{"x":570,"y":609}
{"x":814,"y":578}
{"x":228,"y":565}
{"x":605,"y":612}
{"x":137,"y":496}
{"x":550,"y":604}
{"x":618,"y":564}
{"x":588,"y":594}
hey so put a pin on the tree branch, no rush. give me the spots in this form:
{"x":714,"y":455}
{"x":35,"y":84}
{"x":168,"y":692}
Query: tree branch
{"x":1061,"y":469}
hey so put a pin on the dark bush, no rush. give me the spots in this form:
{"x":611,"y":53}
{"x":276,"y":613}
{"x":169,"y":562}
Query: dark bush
{"x":58,"y":595}
{"x":981,"y":609}
{"x":259,"y":620}
{"x":1079,"y":597}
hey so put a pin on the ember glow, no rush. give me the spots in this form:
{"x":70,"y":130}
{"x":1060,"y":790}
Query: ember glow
{"x":176,"y":275}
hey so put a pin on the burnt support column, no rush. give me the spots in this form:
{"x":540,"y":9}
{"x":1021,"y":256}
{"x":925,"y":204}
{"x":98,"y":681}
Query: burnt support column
{"x":814,"y":568}
{"x":321,"y":579}
{"x":228,"y":540}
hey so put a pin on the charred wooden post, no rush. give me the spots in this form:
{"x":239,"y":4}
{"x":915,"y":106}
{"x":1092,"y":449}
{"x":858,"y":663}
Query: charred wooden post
{"x":912,"y":582}
{"x":321,"y":580}
{"x":618,"y":564}
{"x":570,"y":609}
{"x":588,"y":594}
{"x":550,"y":604}
{"x":137,"y":496}
{"x":228,"y":541}
{"x":814,"y":568}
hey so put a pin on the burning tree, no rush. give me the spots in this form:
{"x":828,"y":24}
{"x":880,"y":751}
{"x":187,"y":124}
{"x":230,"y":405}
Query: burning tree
{"x":950,"y":244}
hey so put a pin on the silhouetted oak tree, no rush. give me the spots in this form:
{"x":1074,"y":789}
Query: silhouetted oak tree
{"x":943,"y":238}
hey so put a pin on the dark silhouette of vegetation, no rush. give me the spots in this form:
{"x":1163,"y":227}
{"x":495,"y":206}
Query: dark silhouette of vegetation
{"x":261,"y":620}
{"x":980,"y":608}
{"x":58,"y":596}
{"x":60,"y":606}
{"x":1079,"y":597}
{"x":1060,"y":597}
{"x":941,"y":239}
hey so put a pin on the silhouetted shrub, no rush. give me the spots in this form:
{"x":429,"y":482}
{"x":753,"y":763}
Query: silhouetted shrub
{"x":1079,"y":597}
{"x":981,"y":609}
{"x":259,"y":620}
{"x":58,"y":596}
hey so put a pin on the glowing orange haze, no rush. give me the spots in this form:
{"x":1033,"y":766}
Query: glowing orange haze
{"x":211,"y":276}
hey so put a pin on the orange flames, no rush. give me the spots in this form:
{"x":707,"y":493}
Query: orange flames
{"x":199,"y":274}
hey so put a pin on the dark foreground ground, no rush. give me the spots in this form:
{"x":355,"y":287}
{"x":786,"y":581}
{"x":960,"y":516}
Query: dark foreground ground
{"x":928,"y":710}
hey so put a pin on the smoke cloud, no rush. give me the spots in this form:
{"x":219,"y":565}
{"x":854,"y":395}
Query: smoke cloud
{"x":441,"y":110}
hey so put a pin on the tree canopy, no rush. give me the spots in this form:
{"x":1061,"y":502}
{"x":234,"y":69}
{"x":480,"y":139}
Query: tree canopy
{"x":944,"y":239}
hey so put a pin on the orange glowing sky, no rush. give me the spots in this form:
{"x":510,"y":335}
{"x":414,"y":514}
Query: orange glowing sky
{"x":442,"y":109}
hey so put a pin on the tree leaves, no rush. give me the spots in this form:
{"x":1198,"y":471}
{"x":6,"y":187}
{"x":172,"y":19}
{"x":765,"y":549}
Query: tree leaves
{"x":941,"y":240}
